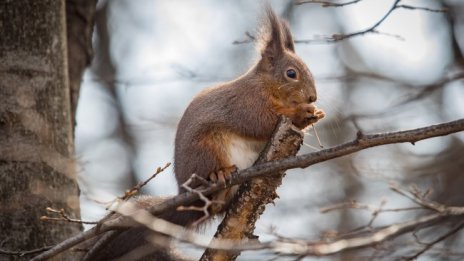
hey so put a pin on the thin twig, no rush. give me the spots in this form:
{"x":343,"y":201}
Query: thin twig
{"x":370,"y":30}
{"x":302,"y":161}
{"x":311,"y":146}
{"x":250,"y":38}
{"x":351,"y":204}
{"x":317,"y":136}
{"x":134,"y":190}
{"x":283,"y":245}
{"x":67,"y":244}
{"x":327,"y":3}
{"x":410,"y":7}
{"x":356,"y":205}
{"x":342,"y":36}
{"x":428,"y":246}
{"x":418,"y":200}
{"x":429,"y":89}
{"x":206,"y":200}
{"x":128,"y":194}
{"x":24,"y":252}
{"x":100,"y":244}
{"x":64,"y":217}
{"x":372,"y":239}
{"x":432,"y":205}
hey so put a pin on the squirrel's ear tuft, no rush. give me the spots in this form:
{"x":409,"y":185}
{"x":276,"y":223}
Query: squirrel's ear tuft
{"x":271,"y":39}
{"x":288,"y":38}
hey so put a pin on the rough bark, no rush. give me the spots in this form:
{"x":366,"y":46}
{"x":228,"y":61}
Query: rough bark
{"x":36,"y":144}
{"x":252,"y":197}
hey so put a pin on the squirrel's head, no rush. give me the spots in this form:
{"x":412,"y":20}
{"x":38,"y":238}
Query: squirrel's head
{"x":287,"y":76}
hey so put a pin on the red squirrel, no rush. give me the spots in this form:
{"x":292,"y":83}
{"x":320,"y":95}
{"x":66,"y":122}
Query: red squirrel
{"x":225,"y":127}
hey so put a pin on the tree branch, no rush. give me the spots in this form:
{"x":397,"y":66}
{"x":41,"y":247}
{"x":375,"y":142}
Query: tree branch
{"x":322,"y":249}
{"x":24,"y":252}
{"x":361,"y":142}
{"x":252,"y":197}
{"x":341,"y":36}
{"x":438,"y":240}
{"x":285,"y":246}
{"x":327,"y":3}
{"x":410,"y":7}
{"x":370,"y":30}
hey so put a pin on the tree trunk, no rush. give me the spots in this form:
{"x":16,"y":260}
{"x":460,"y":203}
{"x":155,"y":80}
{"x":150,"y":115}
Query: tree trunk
{"x":80,"y":19}
{"x":36,"y":138}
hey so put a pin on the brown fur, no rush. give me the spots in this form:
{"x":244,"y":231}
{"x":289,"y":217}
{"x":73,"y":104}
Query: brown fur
{"x":133,"y":244}
{"x":246,"y":109}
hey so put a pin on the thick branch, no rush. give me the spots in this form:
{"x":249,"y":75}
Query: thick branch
{"x":285,"y":246}
{"x":67,"y":244}
{"x":360,"y":143}
{"x":303,"y":161}
{"x":254,"y":194}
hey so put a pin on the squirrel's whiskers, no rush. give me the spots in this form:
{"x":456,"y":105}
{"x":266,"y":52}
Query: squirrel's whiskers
{"x":226,"y":126}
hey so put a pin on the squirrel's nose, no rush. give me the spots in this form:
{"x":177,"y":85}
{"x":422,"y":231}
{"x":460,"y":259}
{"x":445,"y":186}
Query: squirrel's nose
{"x":312,"y":98}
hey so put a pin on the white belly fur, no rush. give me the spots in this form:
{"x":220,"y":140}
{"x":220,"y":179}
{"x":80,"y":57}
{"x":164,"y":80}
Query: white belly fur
{"x":244,"y":152}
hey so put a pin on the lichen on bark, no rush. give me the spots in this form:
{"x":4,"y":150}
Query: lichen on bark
{"x":252,"y":196}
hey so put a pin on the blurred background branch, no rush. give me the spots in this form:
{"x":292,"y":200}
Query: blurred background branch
{"x":154,"y":56}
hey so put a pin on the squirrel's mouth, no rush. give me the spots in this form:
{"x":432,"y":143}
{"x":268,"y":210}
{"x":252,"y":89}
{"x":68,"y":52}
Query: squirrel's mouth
{"x":295,"y":103}
{"x":297,"y":98}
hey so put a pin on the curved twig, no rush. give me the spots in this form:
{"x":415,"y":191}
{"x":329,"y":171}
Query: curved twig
{"x":361,"y":142}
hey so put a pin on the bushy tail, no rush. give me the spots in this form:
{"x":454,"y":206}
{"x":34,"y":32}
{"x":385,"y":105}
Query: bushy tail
{"x":139,"y":243}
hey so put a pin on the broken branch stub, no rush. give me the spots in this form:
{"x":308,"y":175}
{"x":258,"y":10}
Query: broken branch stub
{"x":252,"y":196}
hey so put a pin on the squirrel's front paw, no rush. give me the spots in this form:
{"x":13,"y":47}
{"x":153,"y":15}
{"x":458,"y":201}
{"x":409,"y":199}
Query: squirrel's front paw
{"x":223,"y":196}
{"x":223,"y":175}
{"x":307,"y":114}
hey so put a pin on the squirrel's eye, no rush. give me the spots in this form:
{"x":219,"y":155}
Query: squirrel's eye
{"x":291,"y":73}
